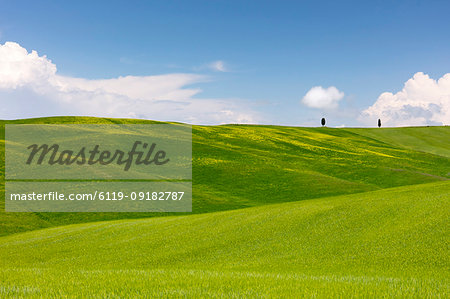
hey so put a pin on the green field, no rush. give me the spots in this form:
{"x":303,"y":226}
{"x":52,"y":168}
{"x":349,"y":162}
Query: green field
{"x":277,"y":212}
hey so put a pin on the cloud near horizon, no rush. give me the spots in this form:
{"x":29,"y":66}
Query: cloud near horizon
{"x":322,"y":98}
{"x":422,"y":101}
{"x":30,"y":87}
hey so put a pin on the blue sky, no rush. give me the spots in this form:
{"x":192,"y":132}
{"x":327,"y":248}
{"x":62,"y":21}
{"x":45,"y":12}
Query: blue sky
{"x":270,"y":54}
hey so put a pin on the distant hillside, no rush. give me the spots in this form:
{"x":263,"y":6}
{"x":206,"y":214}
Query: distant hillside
{"x":434,"y":140}
{"x":237,"y":166}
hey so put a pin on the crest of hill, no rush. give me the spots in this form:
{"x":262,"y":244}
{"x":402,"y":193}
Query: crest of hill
{"x":240,"y":166}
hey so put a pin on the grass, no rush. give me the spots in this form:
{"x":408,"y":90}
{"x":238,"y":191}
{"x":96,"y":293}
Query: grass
{"x":393,"y":241}
{"x":281,"y":164}
{"x":415,"y":138}
{"x":210,"y":284}
{"x":277,"y":212}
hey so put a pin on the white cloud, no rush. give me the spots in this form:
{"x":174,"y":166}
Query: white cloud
{"x":19,"y":68}
{"x":422,"y":101}
{"x":218,"y":66}
{"x":322,"y":98}
{"x":29,"y":80}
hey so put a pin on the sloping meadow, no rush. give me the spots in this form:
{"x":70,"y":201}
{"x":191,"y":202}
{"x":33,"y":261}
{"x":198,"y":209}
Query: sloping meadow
{"x":386,"y":243}
{"x":237,"y":166}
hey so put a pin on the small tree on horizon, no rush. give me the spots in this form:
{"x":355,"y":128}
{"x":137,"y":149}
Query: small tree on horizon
{"x":323,"y":121}
{"x":379,"y":123}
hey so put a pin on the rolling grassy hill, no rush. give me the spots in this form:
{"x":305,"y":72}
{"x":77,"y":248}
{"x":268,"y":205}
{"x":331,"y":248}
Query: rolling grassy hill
{"x":393,"y":241}
{"x":280,"y":164}
{"x":277,"y":211}
{"x":415,"y":138}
